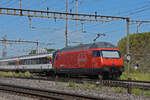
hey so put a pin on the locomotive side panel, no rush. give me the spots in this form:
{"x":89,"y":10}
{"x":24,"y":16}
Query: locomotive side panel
{"x":104,"y":61}
{"x":78,"y":62}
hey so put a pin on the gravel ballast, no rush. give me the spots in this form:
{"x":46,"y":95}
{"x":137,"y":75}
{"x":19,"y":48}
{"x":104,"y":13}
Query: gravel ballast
{"x":75,"y":88}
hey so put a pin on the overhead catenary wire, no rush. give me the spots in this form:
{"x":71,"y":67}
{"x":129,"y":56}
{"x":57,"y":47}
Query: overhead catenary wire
{"x":35,"y":5}
{"x":41,"y":3}
{"x":134,"y":10}
{"x":5,"y":2}
{"x":11,"y":3}
{"x":139,"y":11}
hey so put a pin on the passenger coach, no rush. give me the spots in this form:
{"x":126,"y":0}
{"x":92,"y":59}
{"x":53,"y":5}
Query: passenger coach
{"x":31,"y":63}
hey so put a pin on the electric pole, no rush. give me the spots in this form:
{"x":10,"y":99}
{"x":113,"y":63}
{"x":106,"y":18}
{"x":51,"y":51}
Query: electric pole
{"x":37,"y":47}
{"x":128,"y":46}
{"x":137,"y":28}
{"x":20,"y":4}
{"x":66,"y":27}
{"x":83,"y":31}
{"x":4,"y":52}
{"x":77,"y":35}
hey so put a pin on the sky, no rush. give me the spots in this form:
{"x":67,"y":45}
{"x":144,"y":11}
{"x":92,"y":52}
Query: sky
{"x":46,"y":30}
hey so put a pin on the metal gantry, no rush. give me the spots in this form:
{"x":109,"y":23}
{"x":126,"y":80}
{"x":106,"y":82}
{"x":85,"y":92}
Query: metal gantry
{"x":4,"y":42}
{"x":58,"y":15}
{"x":139,"y":23}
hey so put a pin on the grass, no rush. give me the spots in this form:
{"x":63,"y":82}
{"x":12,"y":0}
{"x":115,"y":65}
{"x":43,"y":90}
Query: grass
{"x":139,"y":92}
{"x":147,"y":93}
{"x":135,"y":75}
{"x":85,"y":85}
{"x":118,"y":89}
{"x":20,"y":74}
{"x":88,"y":85}
{"x":72,"y":84}
{"x":136,"y":91}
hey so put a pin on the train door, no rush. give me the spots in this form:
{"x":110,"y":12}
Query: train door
{"x":54,"y":61}
{"x":17,"y":64}
{"x":95,"y":59}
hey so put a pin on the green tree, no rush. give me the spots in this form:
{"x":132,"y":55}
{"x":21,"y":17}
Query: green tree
{"x":139,"y":49}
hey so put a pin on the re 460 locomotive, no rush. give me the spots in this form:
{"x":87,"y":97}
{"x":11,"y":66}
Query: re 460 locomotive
{"x":96,"y":59}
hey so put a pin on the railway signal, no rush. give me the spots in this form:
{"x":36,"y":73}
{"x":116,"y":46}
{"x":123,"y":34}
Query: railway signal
{"x":128,"y":57}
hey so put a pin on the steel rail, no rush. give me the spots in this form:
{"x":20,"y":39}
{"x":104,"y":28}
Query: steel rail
{"x":137,"y":81}
{"x":112,"y":83}
{"x":52,"y":78}
{"x":127,"y":84}
{"x":49,"y":93}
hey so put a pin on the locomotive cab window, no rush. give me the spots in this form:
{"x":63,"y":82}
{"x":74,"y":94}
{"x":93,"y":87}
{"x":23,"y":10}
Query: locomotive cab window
{"x":96,"y":53}
{"x":110,"y":54}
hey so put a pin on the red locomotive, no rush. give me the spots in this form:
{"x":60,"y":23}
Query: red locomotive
{"x":95,"y":59}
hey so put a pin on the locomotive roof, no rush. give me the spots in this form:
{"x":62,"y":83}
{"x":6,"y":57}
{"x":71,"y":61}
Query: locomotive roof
{"x":88,"y":46}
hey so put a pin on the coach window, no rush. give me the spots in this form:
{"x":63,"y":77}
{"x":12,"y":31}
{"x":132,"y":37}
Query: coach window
{"x":45,"y":60}
{"x":37,"y":61}
{"x":96,"y":53}
{"x":41,"y":60}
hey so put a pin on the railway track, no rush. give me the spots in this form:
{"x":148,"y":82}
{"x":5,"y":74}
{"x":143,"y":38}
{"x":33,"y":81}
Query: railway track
{"x":111,"y":83}
{"x":48,"y":94}
{"x":127,"y":84}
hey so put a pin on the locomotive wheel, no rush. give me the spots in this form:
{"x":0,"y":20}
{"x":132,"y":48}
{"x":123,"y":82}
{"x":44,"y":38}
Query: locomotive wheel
{"x":112,"y":76}
{"x":106,"y":76}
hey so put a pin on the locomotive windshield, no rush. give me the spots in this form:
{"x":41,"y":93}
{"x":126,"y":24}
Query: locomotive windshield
{"x":110,"y":54}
